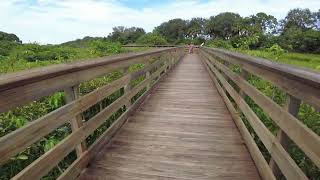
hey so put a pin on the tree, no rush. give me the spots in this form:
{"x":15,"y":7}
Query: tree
{"x":266,"y":23}
{"x":9,"y":37}
{"x":300,"y":31}
{"x":126,"y":35}
{"x":152,"y":39}
{"x":300,"y":18}
{"x":8,"y":42}
{"x":174,"y":30}
{"x":224,"y":25}
{"x":195,"y":28}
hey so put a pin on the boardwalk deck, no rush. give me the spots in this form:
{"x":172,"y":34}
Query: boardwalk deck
{"x":183,"y":131}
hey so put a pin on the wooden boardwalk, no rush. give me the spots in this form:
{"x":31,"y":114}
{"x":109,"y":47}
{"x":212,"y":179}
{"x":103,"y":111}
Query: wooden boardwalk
{"x":182,"y":131}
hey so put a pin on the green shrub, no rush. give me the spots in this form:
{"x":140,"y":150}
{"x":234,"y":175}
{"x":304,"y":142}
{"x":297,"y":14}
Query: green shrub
{"x":6,"y":47}
{"x":219,"y":43}
{"x":104,"y":48}
{"x":35,"y":52}
{"x":152,"y":39}
{"x":276,"y":50}
{"x":246,"y":42}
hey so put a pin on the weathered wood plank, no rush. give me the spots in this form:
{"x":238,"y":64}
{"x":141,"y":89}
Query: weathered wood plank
{"x":296,"y":86}
{"x":71,"y":94}
{"x":77,"y":167}
{"x":163,"y":143}
{"x":45,"y":163}
{"x":294,"y":128}
{"x":287,"y":165}
{"x":260,"y":162}
{"x":20,"y":88}
{"x":20,"y":139}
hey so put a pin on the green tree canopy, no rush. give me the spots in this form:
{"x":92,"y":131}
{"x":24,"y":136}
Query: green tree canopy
{"x":174,"y":30}
{"x":195,"y":28}
{"x":225,"y":25}
{"x":152,"y":39}
{"x":9,"y":37}
{"x":126,"y":35}
{"x":300,"y":18}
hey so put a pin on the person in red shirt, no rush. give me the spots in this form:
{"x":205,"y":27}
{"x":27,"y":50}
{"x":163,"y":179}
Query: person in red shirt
{"x":190,"y":48}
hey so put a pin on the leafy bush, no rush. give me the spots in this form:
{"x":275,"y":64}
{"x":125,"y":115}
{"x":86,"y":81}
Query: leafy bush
{"x":276,"y":50}
{"x":219,"y":43}
{"x":6,"y":47}
{"x":35,"y":52}
{"x":103,"y":48}
{"x":246,"y":42}
{"x":152,"y":39}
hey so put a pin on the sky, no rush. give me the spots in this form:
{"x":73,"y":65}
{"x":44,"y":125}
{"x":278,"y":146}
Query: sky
{"x":57,"y":21}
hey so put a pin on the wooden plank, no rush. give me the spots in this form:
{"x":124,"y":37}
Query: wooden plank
{"x":294,"y":128}
{"x":291,"y":86}
{"x":20,"y":88}
{"x":292,"y":106}
{"x":71,"y":94}
{"x":287,"y":165}
{"x":17,"y":141}
{"x":20,"y":139}
{"x":261,"y":164}
{"x":77,"y":167}
{"x":300,"y":74}
{"x":45,"y":163}
{"x":159,"y":146}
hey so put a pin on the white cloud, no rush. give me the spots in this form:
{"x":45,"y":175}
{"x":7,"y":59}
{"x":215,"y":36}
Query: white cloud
{"x":56,"y":21}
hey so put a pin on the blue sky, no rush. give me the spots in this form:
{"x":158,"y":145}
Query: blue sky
{"x":56,"y":21}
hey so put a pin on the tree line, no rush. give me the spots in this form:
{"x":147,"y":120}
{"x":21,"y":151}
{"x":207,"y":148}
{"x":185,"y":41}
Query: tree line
{"x":298,"y":31}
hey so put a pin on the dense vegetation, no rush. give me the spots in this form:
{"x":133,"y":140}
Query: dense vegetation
{"x":299,"y":31}
{"x":259,"y":35}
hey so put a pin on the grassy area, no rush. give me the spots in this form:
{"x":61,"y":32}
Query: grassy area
{"x":310,"y":61}
{"x":18,"y":61}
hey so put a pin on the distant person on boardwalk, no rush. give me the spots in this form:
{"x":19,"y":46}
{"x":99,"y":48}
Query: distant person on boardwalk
{"x":190,"y":48}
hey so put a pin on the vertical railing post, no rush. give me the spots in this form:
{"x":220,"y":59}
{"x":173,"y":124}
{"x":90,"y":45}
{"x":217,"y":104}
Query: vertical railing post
{"x":292,"y":105}
{"x":71,"y":94}
{"x":245,"y":75}
{"x":127,"y":87}
{"x":148,"y":64}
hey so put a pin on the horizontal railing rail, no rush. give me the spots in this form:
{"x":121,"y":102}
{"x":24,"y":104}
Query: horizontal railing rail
{"x":20,"y":88}
{"x":299,"y":84}
{"x":157,"y":46}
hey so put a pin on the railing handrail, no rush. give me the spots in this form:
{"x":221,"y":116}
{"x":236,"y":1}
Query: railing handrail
{"x":297,"y":73}
{"x":12,"y":80}
{"x":129,"y":92}
{"x":152,"y":45}
{"x":297,"y":84}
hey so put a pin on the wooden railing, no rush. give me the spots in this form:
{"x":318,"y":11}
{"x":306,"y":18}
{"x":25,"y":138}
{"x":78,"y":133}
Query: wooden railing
{"x":299,"y":84}
{"x":21,"y":88}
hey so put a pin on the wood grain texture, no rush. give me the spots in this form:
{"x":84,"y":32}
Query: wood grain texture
{"x":295,"y":81}
{"x":294,"y":128}
{"x":282,"y":158}
{"x":19,"y":88}
{"x":183,"y":131}
{"x":261,"y":164}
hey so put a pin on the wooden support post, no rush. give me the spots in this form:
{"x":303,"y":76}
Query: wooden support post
{"x":245,"y":75}
{"x":71,"y":94}
{"x":172,"y":59}
{"x":166,"y":65}
{"x":148,"y":74}
{"x":292,"y":105}
{"x":127,"y":87}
